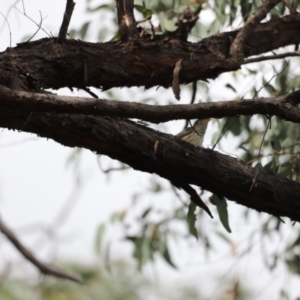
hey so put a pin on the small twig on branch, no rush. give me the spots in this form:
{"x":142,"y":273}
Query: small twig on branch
{"x":270,"y":57}
{"x":8,"y":28}
{"x":44,"y":268}
{"x":127,"y":23}
{"x":23,"y":13}
{"x":86,"y":89}
{"x":185,"y":22}
{"x":39,"y":27}
{"x":195,"y":198}
{"x":192,"y":100}
{"x":237,"y":46}
{"x":66,"y":21}
{"x":106,"y":171}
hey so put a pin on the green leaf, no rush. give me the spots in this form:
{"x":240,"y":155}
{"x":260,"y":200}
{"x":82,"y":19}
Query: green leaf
{"x":191,"y":220}
{"x":222,"y":211}
{"x":167,"y":257}
{"x":107,"y":257}
{"x":99,"y":237}
{"x":84,"y":29}
{"x":293,"y":264}
{"x":268,"y":166}
{"x":276,"y":145}
{"x":246,"y":8}
{"x":143,"y":10}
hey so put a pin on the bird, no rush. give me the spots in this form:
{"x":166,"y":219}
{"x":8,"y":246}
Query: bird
{"x":195,"y":134}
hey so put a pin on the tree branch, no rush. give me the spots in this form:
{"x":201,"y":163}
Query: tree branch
{"x":237,"y":47}
{"x":127,"y":23}
{"x":66,"y":21}
{"x":270,"y":57}
{"x":284,"y":107}
{"x":172,"y":158}
{"x":44,"y":268}
{"x":147,"y":63}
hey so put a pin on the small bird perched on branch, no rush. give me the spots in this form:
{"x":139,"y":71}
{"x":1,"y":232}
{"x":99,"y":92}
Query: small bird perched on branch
{"x":195,"y":134}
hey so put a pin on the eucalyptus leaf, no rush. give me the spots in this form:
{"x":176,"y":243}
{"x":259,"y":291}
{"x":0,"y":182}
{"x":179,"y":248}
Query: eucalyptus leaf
{"x":191,"y":220}
{"x":222,"y":211}
{"x":99,"y":237}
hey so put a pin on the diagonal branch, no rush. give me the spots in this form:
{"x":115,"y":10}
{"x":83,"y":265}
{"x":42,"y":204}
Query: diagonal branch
{"x":66,"y":21}
{"x":284,"y":107}
{"x":237,"y":47}
{"x":172,"y":158}
{"x":44,"y":268}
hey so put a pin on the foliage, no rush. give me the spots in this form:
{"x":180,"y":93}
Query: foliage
{"x":262,"y":141}
{"x":121,"y":283}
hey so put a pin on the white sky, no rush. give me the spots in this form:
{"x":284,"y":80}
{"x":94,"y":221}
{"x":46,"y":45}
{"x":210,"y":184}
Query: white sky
{"x":35,"y":183}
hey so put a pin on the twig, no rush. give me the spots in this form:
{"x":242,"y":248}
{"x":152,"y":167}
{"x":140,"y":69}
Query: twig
{"x":269,"y":57}
{"x":86,"y":89}
{"x":192,"y":100}
{"x":127,"y":23}
{"x":8,"y":28}
{"x":39,"y":27}
{"x":32,"y":21}
{"x":262,"y":141}
{"x":223,"y":131}
{"x":66,"y":21}
{"x":8,"y":13}
{"x":289,"y":6}
{"x":273,"y":76}
{"x":106,"y":171}
{"x":237,"y":46}
{"x":195,"y":198}
{"x":44,"y":268}
{"x":254,"y":180}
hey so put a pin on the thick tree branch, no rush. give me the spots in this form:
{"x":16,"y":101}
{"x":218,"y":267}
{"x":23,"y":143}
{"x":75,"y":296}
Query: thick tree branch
{"x":282,"y":106}
{"x":66,"y":21}
{"x":237,"y":47}
{"x":48,"y":64}
{"x":171,"y":158}
{"x":44,"y":268}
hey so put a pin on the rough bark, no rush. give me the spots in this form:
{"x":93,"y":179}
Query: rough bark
{"x":32,"y":67}
{"x":284,"y":107}
{"x":48,"y":64}
{"x":151,"y":151}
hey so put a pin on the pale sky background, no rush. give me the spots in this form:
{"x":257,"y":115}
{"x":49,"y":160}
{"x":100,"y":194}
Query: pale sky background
{"x":35,"y":183}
